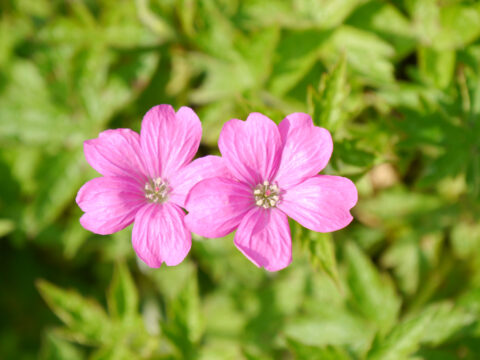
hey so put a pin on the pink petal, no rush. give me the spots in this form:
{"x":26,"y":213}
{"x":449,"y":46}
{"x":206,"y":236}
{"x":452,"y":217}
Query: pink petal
{"x":169,"y":141}
{"x":110,"y":203}
{"x":159,"y":235}
{"x":251,"y":148}
{"x":216,"y":206}
{"x":264,"y":238}
{"x":116,"y":153}
{"x":321,"y":203}
{"x":198,"y":170}
{"x":307,"y":149}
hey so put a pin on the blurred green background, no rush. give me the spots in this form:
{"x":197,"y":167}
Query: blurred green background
{"x":396,"y":82}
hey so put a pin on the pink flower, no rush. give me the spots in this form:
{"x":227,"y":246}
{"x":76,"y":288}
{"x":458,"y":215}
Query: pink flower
{"x":146,"y":179}
{"x":272,"y":173}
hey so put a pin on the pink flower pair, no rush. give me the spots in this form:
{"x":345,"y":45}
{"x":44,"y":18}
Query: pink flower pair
{"x":266,"y":172}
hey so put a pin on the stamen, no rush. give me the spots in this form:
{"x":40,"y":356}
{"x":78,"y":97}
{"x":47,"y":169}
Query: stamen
{"x":156,"y":190}
{"x":266,"y":195}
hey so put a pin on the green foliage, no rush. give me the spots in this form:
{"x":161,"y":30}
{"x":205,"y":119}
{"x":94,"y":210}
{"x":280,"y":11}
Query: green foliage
{"x":397,"y":83}
{"x":372,"y":295}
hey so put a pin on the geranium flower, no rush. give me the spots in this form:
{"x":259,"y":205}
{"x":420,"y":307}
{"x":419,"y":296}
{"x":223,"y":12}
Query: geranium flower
{"x":272,"y":174}
{"x":145,"y":180}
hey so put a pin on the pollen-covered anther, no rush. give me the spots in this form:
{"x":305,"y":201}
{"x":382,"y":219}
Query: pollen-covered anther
{"x":156,"y":190}
{"x":266,"y":195}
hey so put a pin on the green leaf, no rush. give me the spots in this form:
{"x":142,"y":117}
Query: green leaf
{"x":186,"y":325}
{"x":405,"y":257}
{"x":437,"y":67}
{"x":155,"y":23}
{"x":328,"y":14}
{"x":322,"y":253}
{"x":372,"y":294}
{"x":245,"y":66}
{"x":299,"y":14}
{"x":367,"y":54}
{"x":73,"y":235}
{"x":114,"y":352}
{"x":28,"y":114}
{"x":349,"y":152}
{"x":465,"y":239}
{"x":446,"y":27}
{"x":447,"y":320}
{"x":61,"y":177}
{"x":305,"y":352}
{"x":385,"y":20}
{"x":331,"y":326}
{"x":186,"y":13}
{"x":403,"y":340}
{"x":295,"y":55}
{"x":327,"y":104}
{"x":122,"y":296}
{"x":55,"y":348}
{"x":6,"y":226}
{"x":86,"y":320}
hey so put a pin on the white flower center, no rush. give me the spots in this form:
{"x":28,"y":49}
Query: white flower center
{"x":266,"y":195}
{"x":156,"y":190}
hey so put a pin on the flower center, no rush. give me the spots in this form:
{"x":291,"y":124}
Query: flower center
{"x":156,"y":190}
{"x":266,"y":195}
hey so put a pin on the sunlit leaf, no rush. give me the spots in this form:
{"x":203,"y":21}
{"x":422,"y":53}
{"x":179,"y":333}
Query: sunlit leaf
{"x":402,"y":341}
{"x":333,"y":91}
{"x":372,"y":294}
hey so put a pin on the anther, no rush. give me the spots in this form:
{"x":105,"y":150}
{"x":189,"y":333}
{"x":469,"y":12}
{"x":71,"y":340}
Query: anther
{"x":156,"y":190}
{"x":266,"y":195}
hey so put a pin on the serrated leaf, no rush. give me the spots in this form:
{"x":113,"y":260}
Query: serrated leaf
{"x":405,"y":257}
{"x":403,"y":340}
{"x":387,"y":21}
{"x":186,"y":325}
{"x":115,"y":352}
{"x":55,"y":348}
{"x":366,"y":53}
{"x":349,"y":152}
{"x":62,"y":176}
{"x":372,"y":294}
{"x":333,"y":326}
{"x":446,"y":27}
{"x":122,"y":296}
{"x":447,"y":320}
{"x":305,"y":352}
{"x":244,"y":67}
{"x":327,"y":14}
{"x":320,"y":248}
{"x":85,"y":318}
{"x":327,"y":104}
{"x":323,"y":254}
{"x":296,"y":53}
